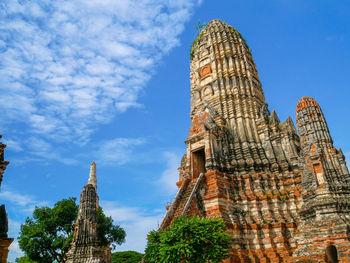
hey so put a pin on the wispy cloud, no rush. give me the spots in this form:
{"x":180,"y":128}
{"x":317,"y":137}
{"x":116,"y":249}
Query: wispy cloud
{"x":117,"y":151}
{"x":347,"y":158}
{"x":24,"y":203}
{"x":170,"y":175}
{"x":336,"y":38}
{"x":136,"y":222}
{"x":41,"y":150}
{"x":45,"y":151}
{"x":13,"y":145}
{"x":67,"y":66}
{"x":18,"y":205}
{"x":15,"y":251}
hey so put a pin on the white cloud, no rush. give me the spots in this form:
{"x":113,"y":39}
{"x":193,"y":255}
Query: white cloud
{"x":67,"y":66}
{"x":15,"y":251}
{"x":170,"y":175}
{"x":136,"y":223}
{"x":347,"y":158}
{"x":117,"y":151}
{"x":21,"y":204}
{"x":13,"y":145}
{"x":42,"y":150}
{"x":24,"y":203}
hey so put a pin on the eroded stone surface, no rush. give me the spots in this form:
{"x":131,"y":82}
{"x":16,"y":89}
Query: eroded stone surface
{"x":284,"y":197}
{"x":3,"y":163}
{"x":5,"y":241}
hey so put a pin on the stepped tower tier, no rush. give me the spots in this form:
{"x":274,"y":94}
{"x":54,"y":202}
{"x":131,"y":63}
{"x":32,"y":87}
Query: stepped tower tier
{"x":86,"y":245}
{"x":244,"y":165}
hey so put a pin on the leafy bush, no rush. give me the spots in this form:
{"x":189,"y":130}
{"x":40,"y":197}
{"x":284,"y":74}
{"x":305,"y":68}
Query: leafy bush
{"x":189,"y":239}
{"x":126,"y":257}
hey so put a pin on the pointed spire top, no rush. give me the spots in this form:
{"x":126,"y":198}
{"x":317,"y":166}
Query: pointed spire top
{"x":306,"y":102}
{"x":92,"y":176}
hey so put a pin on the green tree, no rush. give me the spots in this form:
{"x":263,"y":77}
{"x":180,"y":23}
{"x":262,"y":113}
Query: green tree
{"x":46,"y":236}
{"x":189,"y":239}
{"x":24,"y":259}
{"x":126,"y":257}
{"x":109,"y":233}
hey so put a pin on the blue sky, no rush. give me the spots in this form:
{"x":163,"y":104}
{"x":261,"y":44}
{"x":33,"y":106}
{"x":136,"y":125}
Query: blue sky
{"x":108,"y":81}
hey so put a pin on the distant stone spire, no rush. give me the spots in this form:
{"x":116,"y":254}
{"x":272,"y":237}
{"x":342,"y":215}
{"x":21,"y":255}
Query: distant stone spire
{"x":92,"y":176}
{"x":325,"y":184}
{"x":86,"y":246}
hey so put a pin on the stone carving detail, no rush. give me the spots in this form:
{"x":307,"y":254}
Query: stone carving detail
{"x":205,"y":71}
{"x":264,"y":111}
{"x":86,"y":245}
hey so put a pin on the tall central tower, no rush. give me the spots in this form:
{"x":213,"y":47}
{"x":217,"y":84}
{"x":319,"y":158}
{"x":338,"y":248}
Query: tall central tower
{"x":227,"y":97}
{"x":245,"y":166}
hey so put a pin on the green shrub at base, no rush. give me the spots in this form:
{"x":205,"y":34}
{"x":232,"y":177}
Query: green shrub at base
{"x":189,"y":239}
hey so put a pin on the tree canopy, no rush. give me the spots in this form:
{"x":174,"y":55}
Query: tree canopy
{"x":189,"y":239}
{"x":126,"y":257}
{"x":46,"y":236}
{"x":109,"y":233}
{"x":24,"y":259}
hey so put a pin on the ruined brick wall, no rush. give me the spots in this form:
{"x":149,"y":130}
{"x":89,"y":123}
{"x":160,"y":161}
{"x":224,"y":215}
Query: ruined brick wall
{"x":3,"y":163}
{"x":5,"y":241}
{"x":257,"y":170}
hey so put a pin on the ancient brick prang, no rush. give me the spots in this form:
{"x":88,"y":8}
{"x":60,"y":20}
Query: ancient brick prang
{"x":246,"y":166}
{"x":3,"y":163}
{"x":86,"y":246}
{"x":325,"y":184}
{"x":5,"y":241}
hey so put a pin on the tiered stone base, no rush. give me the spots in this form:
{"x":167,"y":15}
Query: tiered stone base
{"x":260,"y":211}
{"x":261,"y":214}
{"x":315,"y":236}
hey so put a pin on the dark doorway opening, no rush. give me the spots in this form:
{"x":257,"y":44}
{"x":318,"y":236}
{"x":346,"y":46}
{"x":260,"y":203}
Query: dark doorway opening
{"x":331,"y":254}
{"x":198,"y":162}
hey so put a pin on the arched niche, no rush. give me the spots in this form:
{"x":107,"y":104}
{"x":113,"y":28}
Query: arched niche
{"x":207,"y":91}
{"x":205,"y":71}
{"x":196,"y":95}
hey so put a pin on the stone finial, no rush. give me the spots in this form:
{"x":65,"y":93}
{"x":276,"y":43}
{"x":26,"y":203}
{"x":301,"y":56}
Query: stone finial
{"x":92,"y":176}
